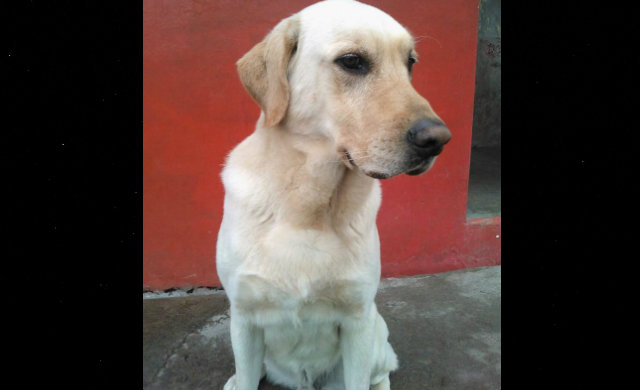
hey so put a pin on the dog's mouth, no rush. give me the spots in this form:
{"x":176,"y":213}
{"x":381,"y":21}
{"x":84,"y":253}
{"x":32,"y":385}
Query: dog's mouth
{"x":377,"y":175}
{"x":415,"y":170}
{"x":422,"y":167}
{"x":351,"y":164}
{"x":347,"y":159}
{"x":350,"y":160}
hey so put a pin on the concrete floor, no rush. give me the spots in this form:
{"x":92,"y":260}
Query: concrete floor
{"x":445,"y":329}
{"x":484,"y":183}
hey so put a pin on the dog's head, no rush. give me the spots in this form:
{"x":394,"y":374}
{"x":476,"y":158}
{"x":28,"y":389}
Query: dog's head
{"x":342,"y":70}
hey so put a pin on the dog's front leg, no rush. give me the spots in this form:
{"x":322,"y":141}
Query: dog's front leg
{"x":356,"y":344}
{"x":247,"y":341}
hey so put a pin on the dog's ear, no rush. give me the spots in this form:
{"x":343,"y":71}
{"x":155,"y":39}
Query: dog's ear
{"x":263,"y":70}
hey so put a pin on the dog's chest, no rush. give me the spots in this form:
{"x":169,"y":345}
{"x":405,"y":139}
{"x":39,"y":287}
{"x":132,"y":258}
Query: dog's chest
{"x":271,"y":301}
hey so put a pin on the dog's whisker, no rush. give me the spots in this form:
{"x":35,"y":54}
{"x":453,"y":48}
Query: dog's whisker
{"x":418,"y":39}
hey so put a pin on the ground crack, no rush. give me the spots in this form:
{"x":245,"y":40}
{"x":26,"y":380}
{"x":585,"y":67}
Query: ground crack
{"x":219,"y":319}
{"x":223,"y":317}
{"x":166,"y":359}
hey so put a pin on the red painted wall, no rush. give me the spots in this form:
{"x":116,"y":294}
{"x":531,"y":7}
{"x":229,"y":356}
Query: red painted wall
{"x":195,"y":111}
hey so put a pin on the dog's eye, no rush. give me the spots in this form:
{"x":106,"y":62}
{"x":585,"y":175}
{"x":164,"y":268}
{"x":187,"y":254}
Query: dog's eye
{"x":412,"y":60}
{"x":353,"y":63}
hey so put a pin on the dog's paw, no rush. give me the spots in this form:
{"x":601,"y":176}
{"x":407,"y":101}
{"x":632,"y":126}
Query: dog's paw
{"x":384,"y":384}
{"x":231,"y":384}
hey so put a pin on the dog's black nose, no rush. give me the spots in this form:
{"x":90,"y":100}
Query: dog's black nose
{"x":428,"y":136}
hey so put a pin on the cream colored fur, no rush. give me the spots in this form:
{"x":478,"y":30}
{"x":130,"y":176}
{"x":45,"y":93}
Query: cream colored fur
{"x":298,"y":249}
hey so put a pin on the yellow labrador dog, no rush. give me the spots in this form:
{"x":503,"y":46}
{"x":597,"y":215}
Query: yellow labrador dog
{"x":298,"y":250}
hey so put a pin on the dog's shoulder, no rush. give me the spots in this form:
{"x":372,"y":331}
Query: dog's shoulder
{"x":239,"y":175}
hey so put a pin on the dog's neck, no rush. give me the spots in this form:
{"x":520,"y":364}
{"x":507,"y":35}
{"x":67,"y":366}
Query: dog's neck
{"x":320,"y":191}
